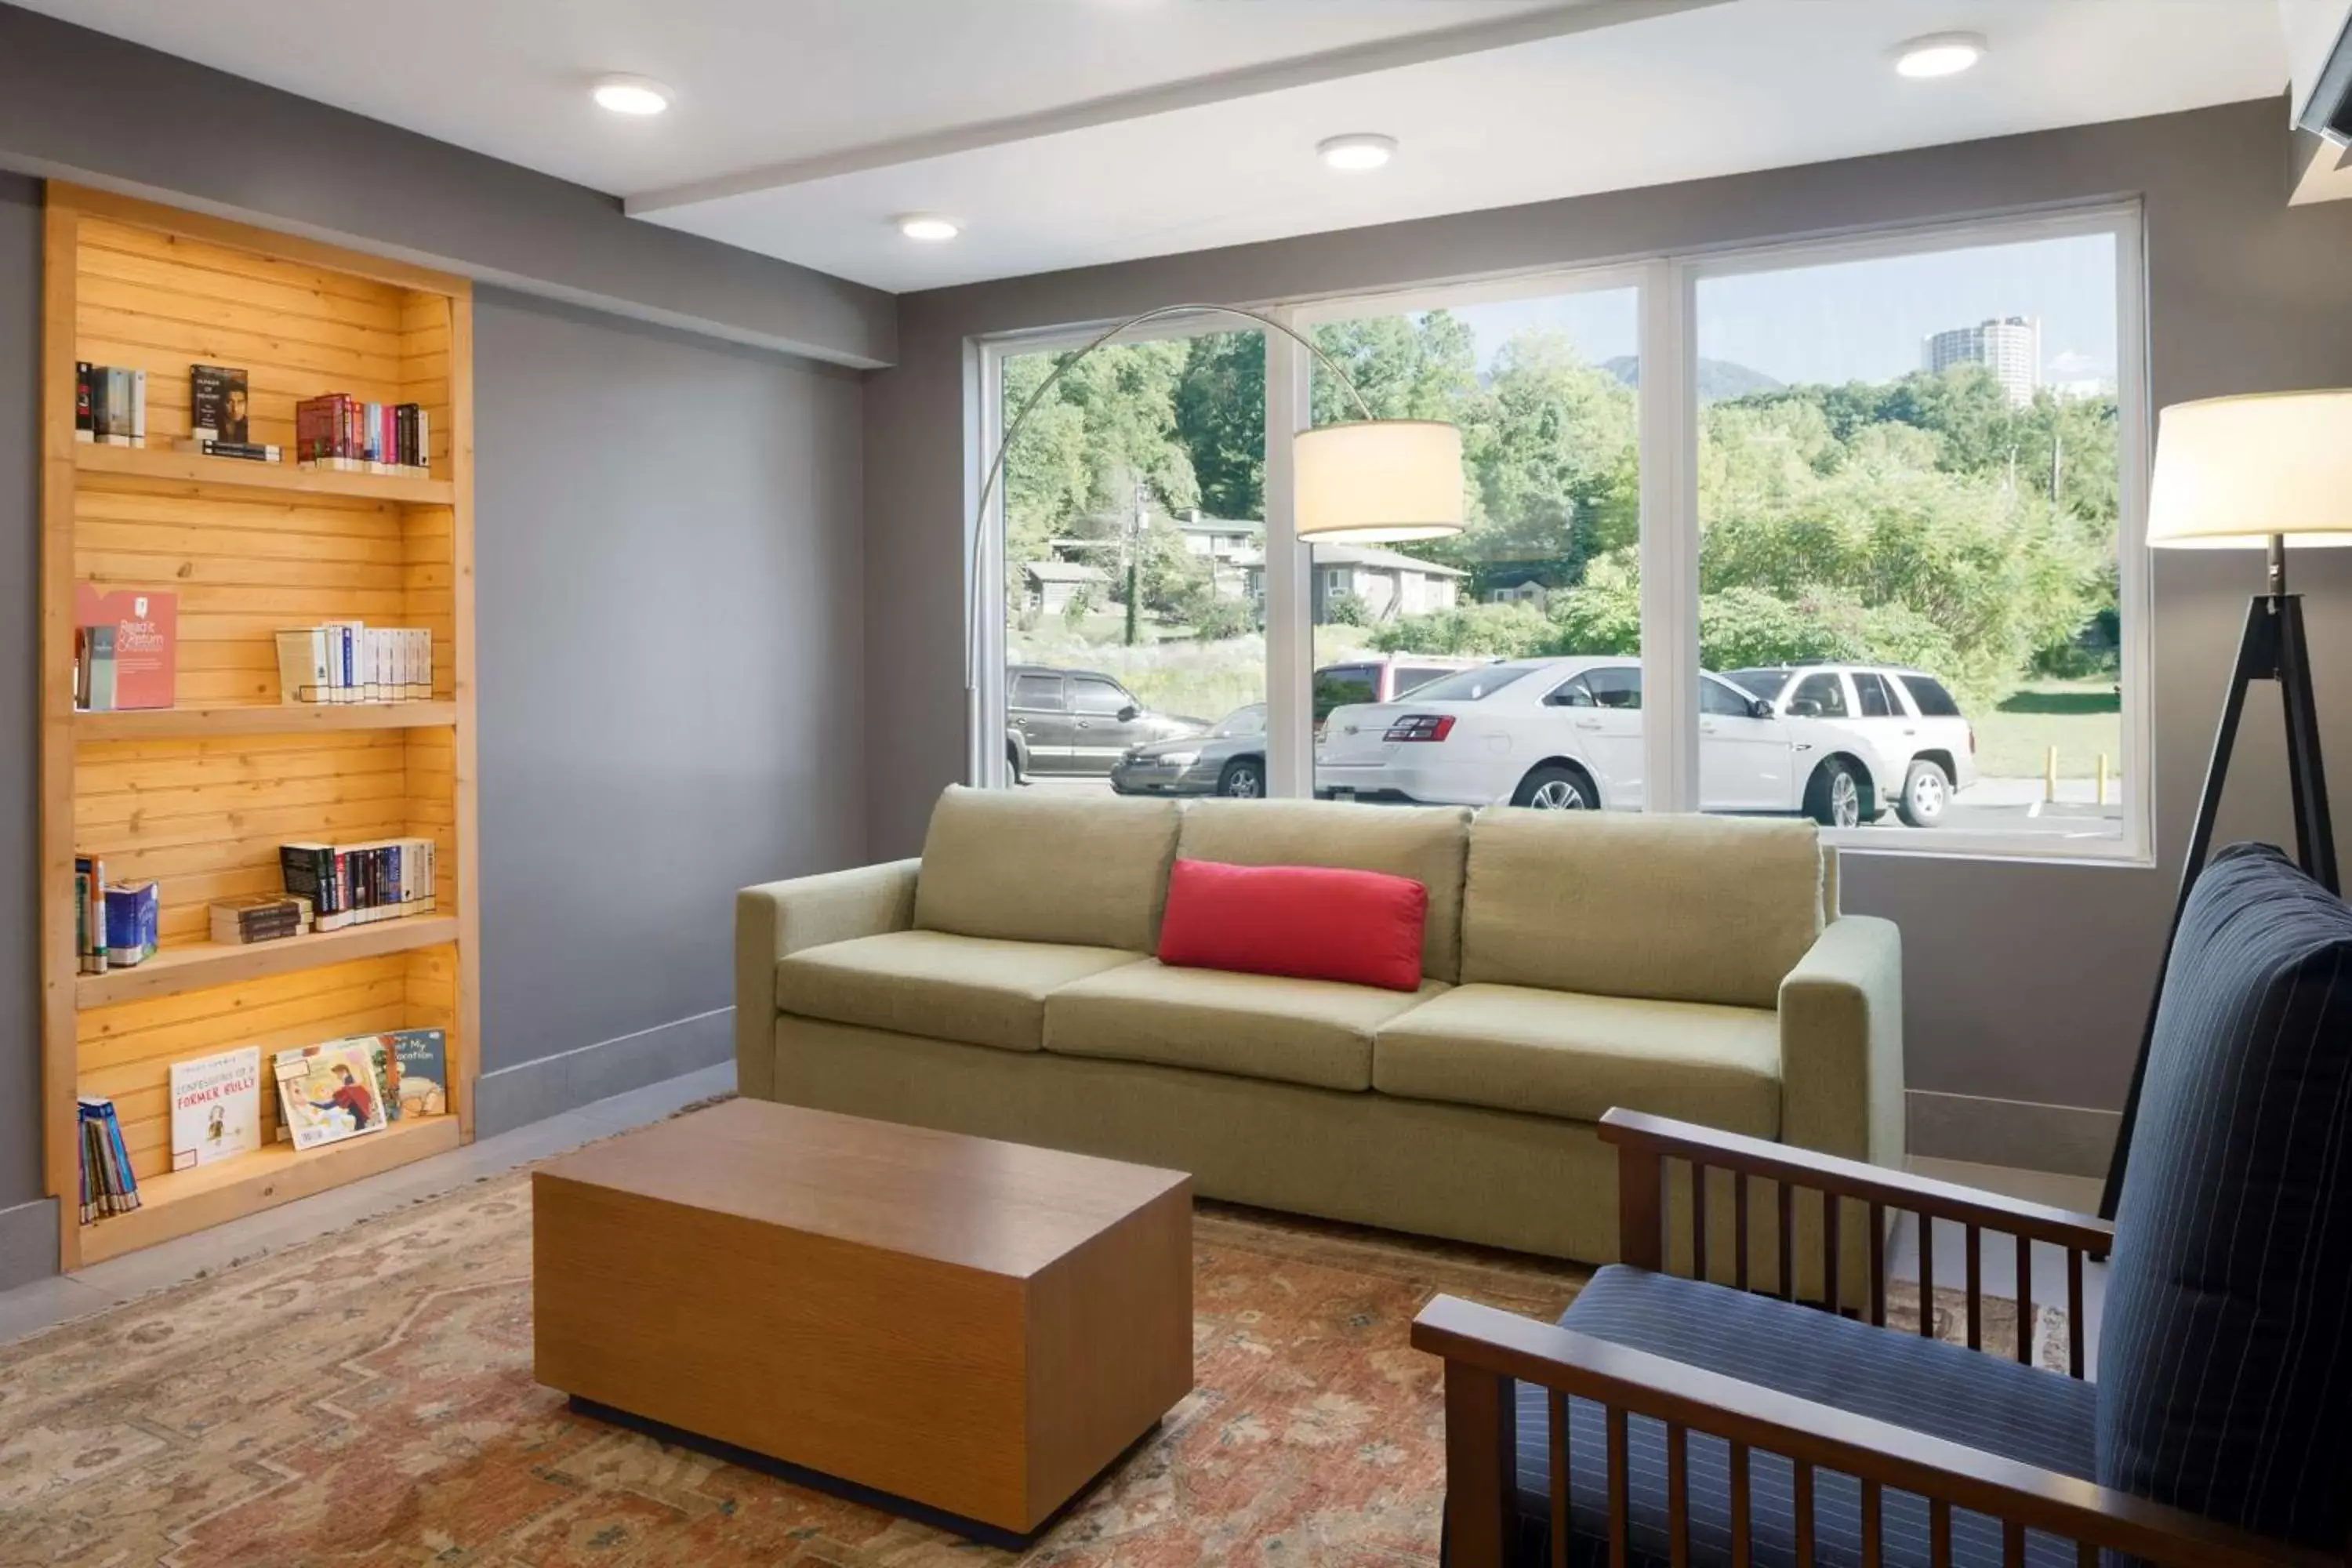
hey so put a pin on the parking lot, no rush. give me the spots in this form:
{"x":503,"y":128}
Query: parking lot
{"x":1993,"y":805}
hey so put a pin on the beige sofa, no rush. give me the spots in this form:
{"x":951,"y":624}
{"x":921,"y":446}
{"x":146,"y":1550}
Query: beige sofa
{"x":1694,"y":967}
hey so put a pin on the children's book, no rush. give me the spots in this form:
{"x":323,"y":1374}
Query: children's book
{"x":145,"y":627}
{"x":215,"y":1106}
{"x":414,"y":1066}
{"x":328,"y":1093}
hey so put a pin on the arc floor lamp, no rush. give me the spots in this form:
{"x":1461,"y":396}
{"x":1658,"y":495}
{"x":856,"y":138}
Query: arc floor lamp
{"x":1370,"y":482}
{"x":2251,"y":473}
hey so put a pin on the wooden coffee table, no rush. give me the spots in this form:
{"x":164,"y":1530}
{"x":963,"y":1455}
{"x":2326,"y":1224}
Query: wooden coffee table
{"x":972,"y":1328}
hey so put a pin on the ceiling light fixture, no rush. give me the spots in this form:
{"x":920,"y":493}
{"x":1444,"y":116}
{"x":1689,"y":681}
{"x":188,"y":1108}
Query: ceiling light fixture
{"x":634,"y":95}
{"x":929,"y":227}
{"x":1357,"y":152}
{"x":1939,"y":54}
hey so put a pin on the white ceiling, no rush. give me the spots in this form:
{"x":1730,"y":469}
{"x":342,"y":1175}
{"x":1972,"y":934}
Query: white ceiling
{"x":1065,"y":132}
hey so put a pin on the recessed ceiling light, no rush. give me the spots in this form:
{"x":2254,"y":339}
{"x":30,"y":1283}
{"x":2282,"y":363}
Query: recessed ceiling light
{"x":632,"y":95}
{"x":1356,"y":151}
{"x":1939,"y":54}
{"x":929,"y":227}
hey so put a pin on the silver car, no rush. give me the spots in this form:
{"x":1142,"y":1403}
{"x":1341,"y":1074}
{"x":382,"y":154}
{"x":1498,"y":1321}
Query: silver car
{"x":1230,"y":760}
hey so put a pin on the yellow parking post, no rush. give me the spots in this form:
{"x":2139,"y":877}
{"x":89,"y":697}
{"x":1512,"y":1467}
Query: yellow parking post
{"x":2050,"y":775}
{"x":2103,"y":778}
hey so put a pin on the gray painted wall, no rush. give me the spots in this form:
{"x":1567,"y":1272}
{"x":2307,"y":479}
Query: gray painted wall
{"x":20,"y":697}
{"x":670,"y":620}
{"x":2024,"y":982}
{"x":76,"y":104}
{"x":668,"y":562}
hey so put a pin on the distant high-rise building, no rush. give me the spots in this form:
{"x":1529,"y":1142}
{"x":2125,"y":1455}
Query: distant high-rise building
{"x":2011,"y":348}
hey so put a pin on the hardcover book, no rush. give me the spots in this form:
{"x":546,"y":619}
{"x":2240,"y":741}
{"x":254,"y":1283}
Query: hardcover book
{"x":330,"y":1092}
{"x":145,"y":627}
{"x":215,"y":1106}
{"x":216,"y":403}
{"x":133,"y":914}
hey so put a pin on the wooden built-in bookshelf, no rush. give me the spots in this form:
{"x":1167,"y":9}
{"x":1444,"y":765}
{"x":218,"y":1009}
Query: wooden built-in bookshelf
{"x":198,"y":797}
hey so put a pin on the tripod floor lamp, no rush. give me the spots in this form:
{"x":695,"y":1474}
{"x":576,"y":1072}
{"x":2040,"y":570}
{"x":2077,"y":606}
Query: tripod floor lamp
{"x":1369,"y":481}
{"x":2252,"y":472}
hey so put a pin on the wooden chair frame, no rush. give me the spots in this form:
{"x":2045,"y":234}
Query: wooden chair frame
{"x":1485,"y":1350}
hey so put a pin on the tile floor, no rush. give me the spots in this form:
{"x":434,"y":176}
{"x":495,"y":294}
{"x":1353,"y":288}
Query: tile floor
{"x":45,"y":1302}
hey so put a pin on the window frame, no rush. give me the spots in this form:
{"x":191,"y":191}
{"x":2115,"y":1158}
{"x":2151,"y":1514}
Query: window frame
{"x":1667,"y":296}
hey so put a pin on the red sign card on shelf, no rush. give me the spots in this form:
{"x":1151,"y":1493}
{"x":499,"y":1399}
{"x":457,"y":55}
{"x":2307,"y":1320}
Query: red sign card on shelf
{"x":146,"y":641}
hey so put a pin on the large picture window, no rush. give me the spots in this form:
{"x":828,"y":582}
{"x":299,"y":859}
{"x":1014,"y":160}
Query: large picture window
{"x":1843,"y":531}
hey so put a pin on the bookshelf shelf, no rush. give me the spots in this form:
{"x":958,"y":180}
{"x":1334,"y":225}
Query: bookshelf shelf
{"x":235,"y":474}
{"x":200,"y":965}
{"x":179,"y":1202}
{"x":198,"y":798}
{"x":259,"y":719}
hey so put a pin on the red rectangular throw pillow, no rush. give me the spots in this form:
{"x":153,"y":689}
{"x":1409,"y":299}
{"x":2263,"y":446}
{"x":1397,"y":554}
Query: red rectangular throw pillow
{"x":1309,"y":923}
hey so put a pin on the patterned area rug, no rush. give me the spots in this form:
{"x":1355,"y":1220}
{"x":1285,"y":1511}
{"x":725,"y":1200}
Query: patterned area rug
{"x":367,"y":1399}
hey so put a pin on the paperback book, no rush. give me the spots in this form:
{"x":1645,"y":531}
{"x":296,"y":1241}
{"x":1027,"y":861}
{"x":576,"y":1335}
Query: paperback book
{"x":413,"y":1067}
{"x":109,"y":1184}
{"x":328,"y":1093}
{"x":341,"y":433}
{"x":217,"y":405}
{"x":215,"y":1106}
{"x":89,"y":914}
{"x":263,"y":917}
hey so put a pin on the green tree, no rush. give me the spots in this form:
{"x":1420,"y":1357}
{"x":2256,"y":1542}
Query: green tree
{"x":1220,"y":417}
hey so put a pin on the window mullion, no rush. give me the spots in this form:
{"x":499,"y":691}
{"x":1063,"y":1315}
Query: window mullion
{"x":1668,"y":415}
{"x":1289,"y":635}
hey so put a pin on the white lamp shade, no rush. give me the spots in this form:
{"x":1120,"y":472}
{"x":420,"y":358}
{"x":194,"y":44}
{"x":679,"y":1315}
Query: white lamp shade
{"x":2231,"y":471}
{"x":1377,"y":481}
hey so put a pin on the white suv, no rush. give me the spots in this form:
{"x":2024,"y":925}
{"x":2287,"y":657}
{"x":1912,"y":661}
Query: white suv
{"x":1891,"y":736}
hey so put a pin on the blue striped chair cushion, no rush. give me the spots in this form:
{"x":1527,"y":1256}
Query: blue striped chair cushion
{"x":2225,"y":1379}
{"x":1965,"y":1396}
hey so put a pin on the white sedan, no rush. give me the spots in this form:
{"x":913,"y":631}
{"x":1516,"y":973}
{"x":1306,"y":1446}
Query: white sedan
{"x":1565,"y":734}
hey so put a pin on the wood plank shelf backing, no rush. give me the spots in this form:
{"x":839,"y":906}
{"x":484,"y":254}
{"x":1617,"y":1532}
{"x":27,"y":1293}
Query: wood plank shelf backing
{"x":198,"y":797}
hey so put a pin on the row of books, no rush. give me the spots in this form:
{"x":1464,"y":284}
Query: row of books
{"x":341,"y":433}
{"x":109,"y":405}
{"x":336,"y":1090}
{"x":327,"y":1093}
{"x":126,"y":647}
{"x":350,"y":661}
{"x":355,"y":884}
{"x":336,"y":431}
{"x":109,"y":1184}
{"x":114,"y":925}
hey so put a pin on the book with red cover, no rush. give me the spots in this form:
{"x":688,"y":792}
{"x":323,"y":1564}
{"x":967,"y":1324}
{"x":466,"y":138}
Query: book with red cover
{"x":146,"y":624}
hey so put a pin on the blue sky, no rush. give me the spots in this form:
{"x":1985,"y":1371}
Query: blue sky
{"x":1859,"y":321}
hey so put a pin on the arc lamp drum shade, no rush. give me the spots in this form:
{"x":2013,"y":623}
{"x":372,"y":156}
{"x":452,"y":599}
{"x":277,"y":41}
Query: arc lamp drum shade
{"x":1377,"y":481}
{"x":2231,"y":472}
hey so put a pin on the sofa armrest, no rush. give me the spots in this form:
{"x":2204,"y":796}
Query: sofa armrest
{"x":1841,"y":1043}
{"x":776,"y":920}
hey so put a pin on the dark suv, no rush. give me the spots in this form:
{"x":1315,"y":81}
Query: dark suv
{"x":1077,"y":721}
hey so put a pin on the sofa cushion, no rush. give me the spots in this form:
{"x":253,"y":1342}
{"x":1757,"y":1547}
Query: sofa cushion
{"x":1554,"y":1053}
{"x":1681,"y":909}
{"x":977,"y":990}
{"x":1315,"y":1032}
{"x":2223,"y":1373}
{"x":1425,"y":843}
{"x":1982,"y":1402}
{"x":1085,"y":870}
{"x":1309,"y":923}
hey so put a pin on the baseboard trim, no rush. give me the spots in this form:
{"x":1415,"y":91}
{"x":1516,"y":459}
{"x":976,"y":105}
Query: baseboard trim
{"x":534,"y":1091}
{"x":28,"y":1242}
{"x":2069,"y":1140}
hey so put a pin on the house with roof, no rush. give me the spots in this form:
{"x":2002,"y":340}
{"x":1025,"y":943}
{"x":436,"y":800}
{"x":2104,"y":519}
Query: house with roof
{"x":1387,"y":584}
{"x":1050,"y":586}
